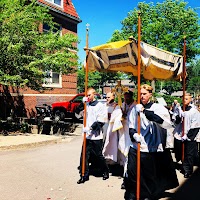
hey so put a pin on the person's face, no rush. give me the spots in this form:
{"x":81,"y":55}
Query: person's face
{"x":109,"y":97}
{"x":187,"y":100}
{"x":128,"y":99}
{"x":90,"y":95}
{"x":145,"y":96}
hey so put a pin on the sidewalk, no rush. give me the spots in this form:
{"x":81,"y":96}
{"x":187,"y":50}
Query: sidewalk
{"x":15,"y":141}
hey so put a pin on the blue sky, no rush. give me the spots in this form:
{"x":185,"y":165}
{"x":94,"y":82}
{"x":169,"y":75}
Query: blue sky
{"x":104,"y":18}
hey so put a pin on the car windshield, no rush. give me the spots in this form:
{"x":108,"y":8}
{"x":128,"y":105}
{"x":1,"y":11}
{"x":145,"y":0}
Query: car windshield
{"x":78,"y":99}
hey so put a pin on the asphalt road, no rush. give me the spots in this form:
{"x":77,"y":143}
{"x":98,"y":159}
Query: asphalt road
{"x":50,"y":172}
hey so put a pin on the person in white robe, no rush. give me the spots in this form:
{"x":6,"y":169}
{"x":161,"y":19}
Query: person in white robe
{"x":157,"y":172}
{"x":175,"y":110}
{"x":190,"y":120}
{"x":112,"y":130}
{"x":96,"y":116}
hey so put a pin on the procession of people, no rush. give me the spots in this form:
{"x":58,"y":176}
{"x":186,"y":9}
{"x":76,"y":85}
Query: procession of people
{"x":113,"y":134}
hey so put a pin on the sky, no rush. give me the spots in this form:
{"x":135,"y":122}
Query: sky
{"x":104,"y":18}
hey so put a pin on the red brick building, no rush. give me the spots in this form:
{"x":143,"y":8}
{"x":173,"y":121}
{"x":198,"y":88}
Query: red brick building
{"x":64,"y":87}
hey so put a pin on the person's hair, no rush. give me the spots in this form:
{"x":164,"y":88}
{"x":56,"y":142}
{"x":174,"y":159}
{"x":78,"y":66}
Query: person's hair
{"x":188,"y":94}
{"x":130,"y":93}
{"x":198,"y":107}
{"x":91,"y":89}
{"x":111,"y":93}
{"x":147,"y":87}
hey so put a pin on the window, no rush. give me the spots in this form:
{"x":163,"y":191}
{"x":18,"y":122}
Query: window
{"x":45,"y":28}
{"x":78,"y":99}
{"x":53,"y":79}
{"x":57,"y":27}
{"x":57,"y":2}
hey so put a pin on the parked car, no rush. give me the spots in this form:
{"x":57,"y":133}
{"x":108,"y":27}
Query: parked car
{"x":66,"y":109}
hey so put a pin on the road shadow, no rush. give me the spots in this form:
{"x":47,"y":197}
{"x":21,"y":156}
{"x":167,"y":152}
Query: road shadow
{"x":190,"y":190}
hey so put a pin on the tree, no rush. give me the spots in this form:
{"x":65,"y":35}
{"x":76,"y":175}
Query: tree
{"x":164,"y":25}
{"x":96,"y":79}
{"x":169,"y":86}
{"x":93,"y":79}
{"x":193,"y":81}
{"x":27,"y":54}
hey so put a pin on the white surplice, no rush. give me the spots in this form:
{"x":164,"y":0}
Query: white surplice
{"x":114,"y":128}
{"x":124,"y":138}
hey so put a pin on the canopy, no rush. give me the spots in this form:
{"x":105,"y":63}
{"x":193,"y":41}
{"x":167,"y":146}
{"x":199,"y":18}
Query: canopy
{"x":123,"y":56}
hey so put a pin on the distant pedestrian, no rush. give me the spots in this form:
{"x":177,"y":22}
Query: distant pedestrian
{"x":191,"y":119}
{"x":174,"y":112}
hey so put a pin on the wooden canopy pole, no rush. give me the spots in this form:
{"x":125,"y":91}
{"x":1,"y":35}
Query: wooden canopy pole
{"x":138,"y":101}
{"x":184,"y":83}
{"x":85,"y":107}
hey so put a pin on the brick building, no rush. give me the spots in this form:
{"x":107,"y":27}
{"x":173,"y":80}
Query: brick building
{"x":64,"y":86}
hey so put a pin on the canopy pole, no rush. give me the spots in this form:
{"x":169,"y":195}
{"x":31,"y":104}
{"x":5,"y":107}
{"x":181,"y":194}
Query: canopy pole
{"x":85,"y":107}
{"x":138,"y":101}
{"x":184,"y":83}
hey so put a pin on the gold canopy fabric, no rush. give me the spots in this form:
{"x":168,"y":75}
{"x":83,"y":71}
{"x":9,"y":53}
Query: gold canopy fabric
{"x":123,"y":56}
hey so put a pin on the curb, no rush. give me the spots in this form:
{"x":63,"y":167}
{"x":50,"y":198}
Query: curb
{"x":41,"y":142}
{"x":30,"y":145}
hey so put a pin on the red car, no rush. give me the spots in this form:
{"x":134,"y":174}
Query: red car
{"x":66,"y":109}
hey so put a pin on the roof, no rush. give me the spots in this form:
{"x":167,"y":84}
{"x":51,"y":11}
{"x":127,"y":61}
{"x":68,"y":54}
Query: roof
{"x":68,"y":9}
{"x":123,"y":82}
{"x":177,"y":94}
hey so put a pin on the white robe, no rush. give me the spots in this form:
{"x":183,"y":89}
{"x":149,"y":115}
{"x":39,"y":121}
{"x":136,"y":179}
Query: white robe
{"x":191,"y":121}
{"x":154,"y":135}
{"x":97,"y":113}
{"x":114,"y":128}
{"x":124,"y":138}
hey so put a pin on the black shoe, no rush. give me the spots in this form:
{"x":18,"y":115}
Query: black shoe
{"x":83,"y":179}
{"x":187,"y":175}
{"x":129,"y":196}
{"x":105,"y":176}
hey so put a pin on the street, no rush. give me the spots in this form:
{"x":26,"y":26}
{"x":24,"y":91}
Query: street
{"x":50,"y":172}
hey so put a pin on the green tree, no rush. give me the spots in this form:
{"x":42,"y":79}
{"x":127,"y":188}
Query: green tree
{"x":169,"y":86}
{"x":27,"y":54}
{"x":193,"y":80}
{"x":164,"y":25}
{"x":93,"y":79}
{"x":96,"y":79}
